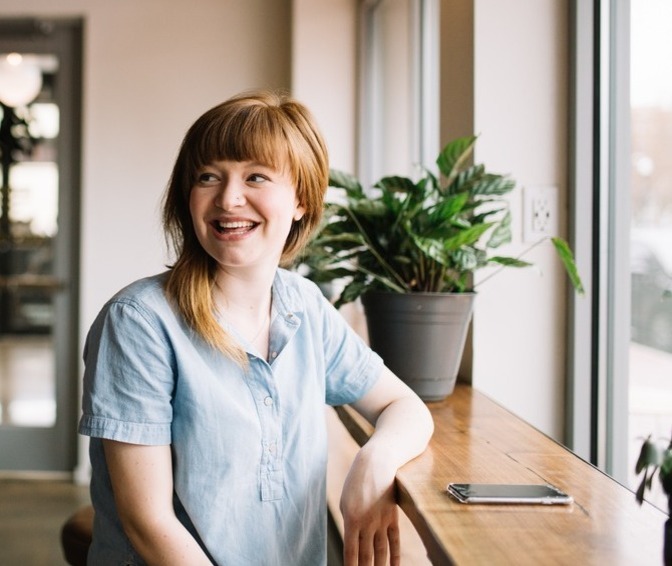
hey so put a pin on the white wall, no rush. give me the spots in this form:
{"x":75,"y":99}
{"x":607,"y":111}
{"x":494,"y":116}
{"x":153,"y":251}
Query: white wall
{"x":152,"y":66}
{"x":521,"y":115}
{"x":324,"y":71}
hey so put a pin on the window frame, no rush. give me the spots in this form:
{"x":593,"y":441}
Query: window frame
{"x":599,"y":325}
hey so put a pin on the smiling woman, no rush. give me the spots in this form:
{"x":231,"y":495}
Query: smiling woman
{"x":212,"y":378}
{"x":215,"y":173}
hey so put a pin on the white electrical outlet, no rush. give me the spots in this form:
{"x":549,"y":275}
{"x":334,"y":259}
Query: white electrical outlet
{"x":540,"y":213}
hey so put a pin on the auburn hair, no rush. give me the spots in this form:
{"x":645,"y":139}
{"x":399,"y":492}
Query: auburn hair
{"x":263,"y":126}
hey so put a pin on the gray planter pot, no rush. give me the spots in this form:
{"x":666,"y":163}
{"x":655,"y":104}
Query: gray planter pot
{"x":420,"y":336}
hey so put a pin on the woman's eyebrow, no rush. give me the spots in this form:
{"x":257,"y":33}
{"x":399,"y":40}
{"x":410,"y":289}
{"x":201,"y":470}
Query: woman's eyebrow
{"x":256,"y":163}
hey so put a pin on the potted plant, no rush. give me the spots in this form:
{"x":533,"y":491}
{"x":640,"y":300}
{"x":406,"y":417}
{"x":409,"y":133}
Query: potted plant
{"x":409,"y":250}
{"x":653,"y":460}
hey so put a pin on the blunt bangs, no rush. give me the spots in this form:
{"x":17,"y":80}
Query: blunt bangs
{"x":240,"y":132}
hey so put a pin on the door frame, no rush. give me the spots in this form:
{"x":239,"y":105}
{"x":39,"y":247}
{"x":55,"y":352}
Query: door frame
{"x":54,"y":450}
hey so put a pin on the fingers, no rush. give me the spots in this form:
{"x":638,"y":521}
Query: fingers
{"x":395,"y":544}
{"x":367,"y":547}
{"x":350,"y":547}
{"x":380,"y":546}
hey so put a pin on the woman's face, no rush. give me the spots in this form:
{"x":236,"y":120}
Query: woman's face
{"x":242,"y":212}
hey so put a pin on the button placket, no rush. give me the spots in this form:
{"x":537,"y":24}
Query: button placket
{"x":266,"y":398}
{"x":271,"y":435}
{"x":283,"y":327}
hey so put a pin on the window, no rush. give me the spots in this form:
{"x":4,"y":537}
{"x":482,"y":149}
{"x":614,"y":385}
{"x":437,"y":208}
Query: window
{"x":621,"y":389}
{"x":399,"y":76}
{"x":650,"y":199}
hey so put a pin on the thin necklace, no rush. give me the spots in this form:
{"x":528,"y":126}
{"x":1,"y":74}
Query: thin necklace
{"x":267,"y":318}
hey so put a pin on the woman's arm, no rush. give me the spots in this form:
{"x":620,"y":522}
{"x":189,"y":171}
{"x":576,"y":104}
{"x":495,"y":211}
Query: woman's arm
{"x":142,"y":481}
{"x":403,"y":427}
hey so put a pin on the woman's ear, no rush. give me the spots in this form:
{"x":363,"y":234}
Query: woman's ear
{"x":299,"y":212}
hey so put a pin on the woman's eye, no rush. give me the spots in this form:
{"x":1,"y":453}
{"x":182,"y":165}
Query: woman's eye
{"x":207,"y":178}
{"x":257,"y":178}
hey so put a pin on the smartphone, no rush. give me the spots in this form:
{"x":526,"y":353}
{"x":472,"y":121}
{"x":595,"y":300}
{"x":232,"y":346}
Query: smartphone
{"x":508,"y":493}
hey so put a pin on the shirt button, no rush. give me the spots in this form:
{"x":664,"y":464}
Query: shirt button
{"x":268,"y":401}
{"x":290,"y":316}
{"x":274,"y":354}
{"x":272,"y":448}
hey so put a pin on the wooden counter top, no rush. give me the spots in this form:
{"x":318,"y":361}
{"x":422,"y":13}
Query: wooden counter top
{"x":476,"y":440}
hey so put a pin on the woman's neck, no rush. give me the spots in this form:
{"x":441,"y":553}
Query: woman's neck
{"x":243,"y":292}
{"x":245,"y":304}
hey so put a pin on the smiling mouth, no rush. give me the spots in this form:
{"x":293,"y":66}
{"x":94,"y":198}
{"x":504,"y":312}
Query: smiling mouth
{"x":239,"y":227}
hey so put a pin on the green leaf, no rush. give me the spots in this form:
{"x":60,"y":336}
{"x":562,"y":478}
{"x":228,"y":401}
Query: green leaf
{"x":432,"y":248}
{"x":328,"y":275}
{"x":467,"y":259}
{"x":649,"y":455}
{"x":492,"y":184}
{"x":370,"y":208}
{"x":396,"y":184}
{"x":466,"y":237}
{"x":351,"y":292}
{"x":454,"y":157}
{"x":342,"y":180}
{"x":567,"y":258}
{"x":466,"y":179}
{"x":666,"y":462}
{"x":501,"y":233}
{"x":639,"y":494}
{"x":509,"y":261}
{"x":448,"y":207}
{"x":665,"y":471}
{"x":339,"y":238}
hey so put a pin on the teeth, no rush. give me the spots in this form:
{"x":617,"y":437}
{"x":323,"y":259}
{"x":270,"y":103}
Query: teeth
{"x":233,"y":225}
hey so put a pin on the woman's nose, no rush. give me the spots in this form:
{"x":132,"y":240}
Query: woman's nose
{"x":231,"y":195}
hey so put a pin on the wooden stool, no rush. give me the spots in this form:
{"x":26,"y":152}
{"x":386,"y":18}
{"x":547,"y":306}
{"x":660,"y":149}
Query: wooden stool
{"x":76,"y":536}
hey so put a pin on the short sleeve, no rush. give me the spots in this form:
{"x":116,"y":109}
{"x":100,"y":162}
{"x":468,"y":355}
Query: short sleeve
{"x":351,"y":366}
{"x":128,"y":377}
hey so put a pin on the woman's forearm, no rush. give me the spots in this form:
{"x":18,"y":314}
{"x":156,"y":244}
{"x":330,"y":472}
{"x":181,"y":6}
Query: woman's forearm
{"x":402,"y":421}
{"x":165,"y":542}
{"x":402,"y":431}
{"x":142,"y":482}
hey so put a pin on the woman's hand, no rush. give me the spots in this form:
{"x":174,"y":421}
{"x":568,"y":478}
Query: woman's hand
{"x":370,"y":513}
{"x":403,"y":427}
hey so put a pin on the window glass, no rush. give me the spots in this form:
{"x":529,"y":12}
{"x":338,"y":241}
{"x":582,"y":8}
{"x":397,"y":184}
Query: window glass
{"x":650,"y":373}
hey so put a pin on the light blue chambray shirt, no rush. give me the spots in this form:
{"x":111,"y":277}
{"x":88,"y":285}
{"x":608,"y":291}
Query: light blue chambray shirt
{"x":249,"y":449}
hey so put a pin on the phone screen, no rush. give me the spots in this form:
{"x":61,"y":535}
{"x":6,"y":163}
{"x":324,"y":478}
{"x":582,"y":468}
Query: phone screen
{"x":508,"y":493}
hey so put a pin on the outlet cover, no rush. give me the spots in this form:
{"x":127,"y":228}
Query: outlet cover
{"x":540,"y":213}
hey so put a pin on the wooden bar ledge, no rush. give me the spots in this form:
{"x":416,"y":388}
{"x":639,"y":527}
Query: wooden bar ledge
{"x":476,"y":440}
